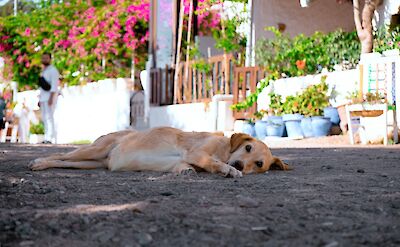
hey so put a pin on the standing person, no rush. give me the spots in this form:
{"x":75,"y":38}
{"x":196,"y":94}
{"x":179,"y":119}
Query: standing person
{"x":2,"y":109}
{"x":48,"y":97}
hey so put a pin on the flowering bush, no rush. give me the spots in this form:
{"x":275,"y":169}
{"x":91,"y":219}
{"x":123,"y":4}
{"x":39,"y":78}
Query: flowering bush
{"x":303,"y":55}
{"x":386,"y":39}
{"x":87,"y":42}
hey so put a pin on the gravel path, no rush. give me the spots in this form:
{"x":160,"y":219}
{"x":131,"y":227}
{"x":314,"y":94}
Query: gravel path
{"x":335,"y":196}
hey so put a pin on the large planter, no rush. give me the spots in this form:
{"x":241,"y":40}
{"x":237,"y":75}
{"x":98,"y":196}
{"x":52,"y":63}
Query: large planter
{"x":275,"y":126}
{"x":321,"y":126}
{"x":260,"y":128}
{"x":293,"y":126}
{"x":35,"y":138}
{"x":306,"y":127}
{"x":248,"y":128}
{"x":332,"y":113}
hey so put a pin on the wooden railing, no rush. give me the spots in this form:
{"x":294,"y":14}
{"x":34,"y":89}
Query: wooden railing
{"x":245,"y":83}
{"x":162,"y":86}
{"x":198,"y":86}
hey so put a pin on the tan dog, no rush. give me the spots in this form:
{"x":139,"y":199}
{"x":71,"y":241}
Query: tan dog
{"x":169,"y":150}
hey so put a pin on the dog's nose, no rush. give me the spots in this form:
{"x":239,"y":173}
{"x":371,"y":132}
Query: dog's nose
{"x":238,"y":165}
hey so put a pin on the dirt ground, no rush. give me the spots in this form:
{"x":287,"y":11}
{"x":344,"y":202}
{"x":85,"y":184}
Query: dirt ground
{"x":336,"y":196}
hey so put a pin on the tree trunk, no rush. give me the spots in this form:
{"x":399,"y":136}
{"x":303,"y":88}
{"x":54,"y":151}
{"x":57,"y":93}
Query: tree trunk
{"x":364,"y":23}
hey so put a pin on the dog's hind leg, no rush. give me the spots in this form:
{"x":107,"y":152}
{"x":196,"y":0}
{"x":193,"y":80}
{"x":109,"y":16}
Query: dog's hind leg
{"x":87,"y":164}
{"x":98,"y":150}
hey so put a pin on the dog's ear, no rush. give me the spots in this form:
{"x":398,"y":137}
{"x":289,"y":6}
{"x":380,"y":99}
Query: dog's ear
{"x":278,"y":164}
{"x":237,"y":139}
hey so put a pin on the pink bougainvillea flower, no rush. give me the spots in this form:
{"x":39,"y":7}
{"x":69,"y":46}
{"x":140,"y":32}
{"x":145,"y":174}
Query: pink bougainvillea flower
{"x":63,"y":43}
{"x":111,"y":35}
{"x":131,"y":9}
{"x":102,"y":24}
{"x":57,"y":33}
{"x":46,"y":41}
{"x":7,"y":95}
{"x":90,"y":13}
{"x":27,"y":31}
{"x":20,"y":59}
{"x":55,"y":22}
{"x":95,"y":33}
{"x":27,"y":64}
{"x":16,"y":52}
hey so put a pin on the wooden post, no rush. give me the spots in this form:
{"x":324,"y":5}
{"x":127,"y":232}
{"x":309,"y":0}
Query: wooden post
{"x":225,"y":61}
{"x":133,"y":69}
{"x":178,"y":52}
{"x":185,"y":80}
{"x":360,"y":93}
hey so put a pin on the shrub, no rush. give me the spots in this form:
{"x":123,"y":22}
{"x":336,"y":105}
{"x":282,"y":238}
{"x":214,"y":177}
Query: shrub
{"x":37,"y":129}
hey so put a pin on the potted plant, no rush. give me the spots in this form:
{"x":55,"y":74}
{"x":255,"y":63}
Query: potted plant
{"x":36,"y":133}
{"x":333,"y":114}
{"x":260,"y":125}
{"x":275,"y":124}
{"x":292,"y":117}
{"x":314,"y":100}
{"x":248,"y":128}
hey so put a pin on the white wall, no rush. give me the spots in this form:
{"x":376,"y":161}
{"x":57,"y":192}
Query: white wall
{"x":89,"y":111}
{"x":213,"y":116}
{"x":343,"y":82}
{"x":322,"y":15}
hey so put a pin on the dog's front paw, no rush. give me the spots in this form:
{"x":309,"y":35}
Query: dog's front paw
{"x":231,"y":172}
{"x":37,"y":165}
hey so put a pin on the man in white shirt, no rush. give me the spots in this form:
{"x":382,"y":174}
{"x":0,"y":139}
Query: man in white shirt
{"x":48,"y":98}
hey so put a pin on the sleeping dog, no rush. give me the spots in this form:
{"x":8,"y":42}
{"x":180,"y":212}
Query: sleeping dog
{"x":169,"y":150}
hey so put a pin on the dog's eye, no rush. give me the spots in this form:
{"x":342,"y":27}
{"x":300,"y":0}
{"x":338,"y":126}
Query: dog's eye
{"x":259,"y":163}
{"x":248,"y":148}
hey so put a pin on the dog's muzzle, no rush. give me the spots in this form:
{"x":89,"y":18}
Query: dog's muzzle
{"x":238,"y":165}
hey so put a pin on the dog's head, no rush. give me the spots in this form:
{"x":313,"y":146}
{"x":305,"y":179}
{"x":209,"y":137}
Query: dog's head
{"x":252,"y":156}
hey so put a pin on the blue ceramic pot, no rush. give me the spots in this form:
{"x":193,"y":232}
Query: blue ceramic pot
{"x":261,"y":129}
{"x":306,"y":127}
{"x":291,"y":117}
{"x":248,"y":128}
{"x":332,"y":113}
{"x":321,"y":126}
{"x":275,"y":126}
{"x":292,"y":123}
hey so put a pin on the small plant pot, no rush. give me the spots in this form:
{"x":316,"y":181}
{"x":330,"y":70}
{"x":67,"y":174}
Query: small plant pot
{"x":306,"y":127}
{"x":248,"y":128}
{"x":293,"y":126}
{"x":321,"y":126}
{"x":332,"y":113}
{"x":260,"y":128}
{"x":36,"y":138}
{"x":275,"y":126}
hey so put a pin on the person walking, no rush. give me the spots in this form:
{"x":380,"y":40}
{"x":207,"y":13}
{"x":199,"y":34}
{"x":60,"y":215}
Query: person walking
{"x":49,"y":80}
{"x":2,"y":110}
